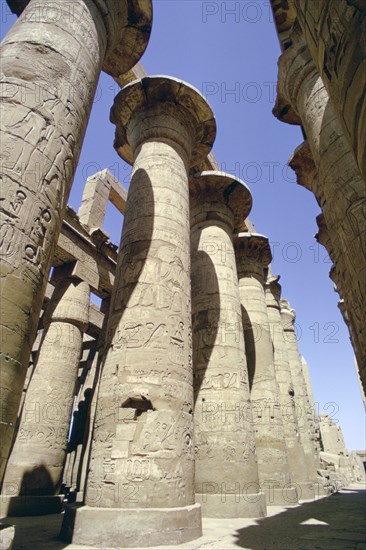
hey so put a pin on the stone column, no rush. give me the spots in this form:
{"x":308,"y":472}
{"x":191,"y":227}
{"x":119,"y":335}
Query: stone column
{"x":226,"y":482}
{"x":300,"y":393}
{"x":253,"y":254}
{"x":51,"y":62}
{"x":311,"y":403}
{"x":140,"y":489}
{"x":295,"y":451}
{"x":338,"y":186}
{"x":335,"y":34}
{"x":34,"y":471}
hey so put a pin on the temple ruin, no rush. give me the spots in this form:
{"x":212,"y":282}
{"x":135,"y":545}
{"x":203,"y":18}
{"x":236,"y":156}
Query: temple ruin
{"x":184,"y":394}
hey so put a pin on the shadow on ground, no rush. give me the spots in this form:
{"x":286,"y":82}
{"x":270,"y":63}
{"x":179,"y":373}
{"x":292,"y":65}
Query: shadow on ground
{"x":331,"y":523}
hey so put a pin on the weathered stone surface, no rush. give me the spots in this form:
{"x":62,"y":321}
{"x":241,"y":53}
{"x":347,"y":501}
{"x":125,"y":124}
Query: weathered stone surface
{"x":304,"y":414}
{"x":37,"y":459}
{"x":98,"y":190}
{"x":226,"y":477}
{"x":338,"y":185}
{"x":335,"y":33}
{"x":45,"y":107}
{"x":142,"y":454}
{"x":295,"y":451}
{"x":253,"y":255}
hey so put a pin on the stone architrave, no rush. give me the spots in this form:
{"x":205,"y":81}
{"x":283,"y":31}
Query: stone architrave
{"x":140,"y":487}
{"x":338,"y":186}
{"x":304,"y":414}
{"x":226,"y":479}
{"x":253,"y":255}
{"x":295,"y":452}
{"x":34,"y":471}
{"x":51,"y":61}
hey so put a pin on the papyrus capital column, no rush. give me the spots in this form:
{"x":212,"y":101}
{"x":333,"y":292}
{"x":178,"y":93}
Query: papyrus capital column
{"x":253,"y":255}
{"x":140,"y":488}
{"x":51,"y":61}
{"x":288,"y":405}
{"x":34,"y":471}
{"x":327,"y":161}
{"x":226,"y":463}
{"x":304,"y":414}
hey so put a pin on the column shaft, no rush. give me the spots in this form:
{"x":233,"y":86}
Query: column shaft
{"x":51,"y":61}
{"x":300,"y":393}
{"x":226,"y":482}
{"x":37,"y":459}
{"x":141,"y":473}
{"x":295,"y":452}
{"x":338,"y":185}
{"x":253,"y":254}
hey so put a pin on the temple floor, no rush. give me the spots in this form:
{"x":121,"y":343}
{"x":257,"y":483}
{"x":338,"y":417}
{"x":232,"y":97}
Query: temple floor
{"x":330,"y":523}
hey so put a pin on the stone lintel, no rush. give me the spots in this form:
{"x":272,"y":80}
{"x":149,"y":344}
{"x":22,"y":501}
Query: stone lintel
{"x":153,"y":90}
{"x":97,"y":264}
{"x":219,"y":186}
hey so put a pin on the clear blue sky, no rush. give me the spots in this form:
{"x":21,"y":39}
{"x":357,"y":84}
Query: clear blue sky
{"x":229,"y":51}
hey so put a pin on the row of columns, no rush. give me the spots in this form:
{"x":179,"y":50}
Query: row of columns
{"x":167,"y":400}
{"x":325,"y":164}
{"x":50,"y":66}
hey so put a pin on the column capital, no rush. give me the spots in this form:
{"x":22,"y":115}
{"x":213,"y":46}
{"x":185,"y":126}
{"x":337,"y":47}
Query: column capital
{"x":253,"y":253}
{"x":273,"y":291}
{"x":220,"y":197}
{"x":128,"y":25}
{"x":294,"y":65}
{"x":162,"y":97}
{"x":288,"y":316}
{"x":302,"y":163}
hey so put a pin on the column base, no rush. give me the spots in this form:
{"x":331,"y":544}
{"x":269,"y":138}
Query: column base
{"x":232,"y":505}
{"x":30,"y":505}
{"x":129,"y":528}
{"x":287,"y":496}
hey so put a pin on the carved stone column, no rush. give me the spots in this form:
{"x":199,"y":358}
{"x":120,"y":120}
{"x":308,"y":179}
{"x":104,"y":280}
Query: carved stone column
{"x":304,"y":414}
{"x":226,"y":481}
{"x":34,"y":471}
{"x":51,"y":61}
{"x":253,"y":254}
{"x":140,"y":489}
{"x":335,"y":34}
{"x":338,"y":186}
{"x":295,"y":452}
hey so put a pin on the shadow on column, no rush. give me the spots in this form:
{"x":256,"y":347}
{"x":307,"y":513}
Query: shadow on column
{"x":249,"y":340}
{"x":129,"y":269}
{"x":205,"y":323}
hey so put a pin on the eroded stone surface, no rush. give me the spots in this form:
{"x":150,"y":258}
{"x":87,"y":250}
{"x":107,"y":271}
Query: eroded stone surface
{"x":226,"y":477}
{"x":45,"y":108}
{"x":253,"y":255}
{"x":142,"y":454}
{"x":37,"y":459}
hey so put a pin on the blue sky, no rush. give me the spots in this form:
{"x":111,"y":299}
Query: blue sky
{"x":229,"y":51}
